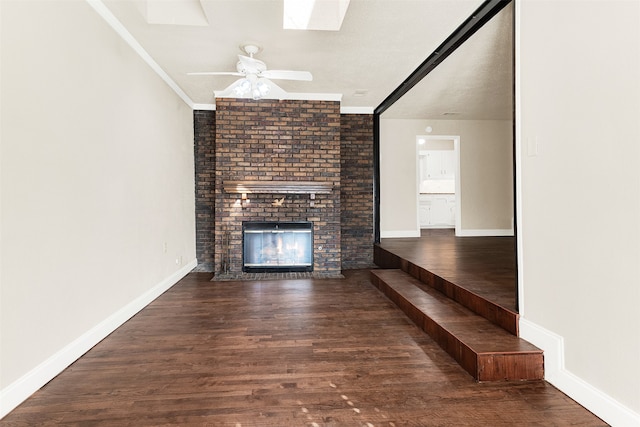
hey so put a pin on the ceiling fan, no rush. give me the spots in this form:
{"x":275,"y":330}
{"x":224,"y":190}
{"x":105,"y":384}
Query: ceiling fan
{"x":255,"y":81}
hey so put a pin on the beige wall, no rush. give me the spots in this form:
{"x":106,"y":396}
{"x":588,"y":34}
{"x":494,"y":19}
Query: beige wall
{"x":97,"y":204}
{"x":580,"y":195}
{"x":486,"y":173}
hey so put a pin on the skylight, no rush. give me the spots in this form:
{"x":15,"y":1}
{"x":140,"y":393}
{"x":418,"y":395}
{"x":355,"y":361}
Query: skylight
{"x":324,"y":15}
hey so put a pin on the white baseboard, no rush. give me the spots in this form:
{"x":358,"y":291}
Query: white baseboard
{"x":489,"y":232}
{"x":18,"y":391}
{"x":596,"y":401}
{"x":399,"y":234}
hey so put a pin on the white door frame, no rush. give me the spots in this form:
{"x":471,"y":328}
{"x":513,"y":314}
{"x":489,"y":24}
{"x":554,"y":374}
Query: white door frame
{"x":458,"y":194}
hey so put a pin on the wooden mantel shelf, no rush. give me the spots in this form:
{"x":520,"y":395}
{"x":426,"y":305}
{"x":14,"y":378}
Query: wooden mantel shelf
{"x":278,"y":187}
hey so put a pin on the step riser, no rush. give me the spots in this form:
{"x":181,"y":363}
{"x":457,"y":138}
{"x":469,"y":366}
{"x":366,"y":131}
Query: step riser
{"x":496,"y":314}
{"x":482,"y":367}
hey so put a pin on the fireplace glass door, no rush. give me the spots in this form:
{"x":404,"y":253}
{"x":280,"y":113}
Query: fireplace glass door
{"x":277,"y":246}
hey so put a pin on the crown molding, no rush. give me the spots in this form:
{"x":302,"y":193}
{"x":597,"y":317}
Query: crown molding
{"x":356,"y":110}
{"x":204,"y":107}
{"x":343,"y":110}
{"x":110,"y":18}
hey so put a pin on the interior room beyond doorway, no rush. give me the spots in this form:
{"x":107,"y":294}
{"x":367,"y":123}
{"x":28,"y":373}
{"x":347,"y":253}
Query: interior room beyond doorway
{"x":438,"y":183}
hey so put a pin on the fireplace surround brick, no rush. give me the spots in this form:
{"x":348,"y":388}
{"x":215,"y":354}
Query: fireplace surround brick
{"x":293,"y":141}
{"x":274,"y":140}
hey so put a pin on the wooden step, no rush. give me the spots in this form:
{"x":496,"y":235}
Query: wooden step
{"x":497,"y":314}
{"x":485,"y":350}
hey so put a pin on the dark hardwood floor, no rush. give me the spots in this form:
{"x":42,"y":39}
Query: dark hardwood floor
{"x":306,"y":352}
{"x":485,"y":266}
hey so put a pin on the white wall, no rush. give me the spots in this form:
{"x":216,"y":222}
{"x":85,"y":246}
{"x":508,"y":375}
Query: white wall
{"x":579,"y":99}
{"x":486,"y":174}
{"x":97,"y":181}
{"x":398,"y":169}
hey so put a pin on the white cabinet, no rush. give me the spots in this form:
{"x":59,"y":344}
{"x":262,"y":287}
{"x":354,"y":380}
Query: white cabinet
{"x":437,"y":164}
{"x":425,"y":213}
{"x":437,"y":202}
{"x":437,"y":210}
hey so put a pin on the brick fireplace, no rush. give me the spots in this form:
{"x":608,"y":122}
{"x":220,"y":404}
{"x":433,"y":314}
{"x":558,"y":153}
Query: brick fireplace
{"x":278,"y":144}
{"x":356,"y":189}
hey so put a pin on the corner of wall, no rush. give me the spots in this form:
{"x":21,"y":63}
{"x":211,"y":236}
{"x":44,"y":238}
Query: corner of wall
{"x":601,"y":404}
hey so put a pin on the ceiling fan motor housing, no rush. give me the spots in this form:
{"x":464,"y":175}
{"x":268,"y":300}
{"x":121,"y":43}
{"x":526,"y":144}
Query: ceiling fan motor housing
{"x":250,"y":49}
{"x":248,"y":65}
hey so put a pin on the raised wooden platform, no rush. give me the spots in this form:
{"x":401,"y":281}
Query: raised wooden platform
{"x":482,"y":305}
{"x":485,"y":266}
{"x":486,"y":351}
{"x":461,"y":292}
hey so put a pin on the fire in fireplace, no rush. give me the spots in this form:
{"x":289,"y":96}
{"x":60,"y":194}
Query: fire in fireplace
{"x":277,"y":247}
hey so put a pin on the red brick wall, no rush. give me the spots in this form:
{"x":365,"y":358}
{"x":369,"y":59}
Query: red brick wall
{"x":278,"y":140}
{"x":356,"y":190}
{"x":204,"y":130}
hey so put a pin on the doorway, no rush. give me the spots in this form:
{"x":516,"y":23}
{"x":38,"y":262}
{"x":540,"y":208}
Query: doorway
{"x":438,"y":181}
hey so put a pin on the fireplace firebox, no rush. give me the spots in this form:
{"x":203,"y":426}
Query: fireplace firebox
{"x":269,"y":247}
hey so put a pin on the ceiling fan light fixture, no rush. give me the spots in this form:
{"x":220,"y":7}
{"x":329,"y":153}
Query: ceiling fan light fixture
{"x":243,"y":88}
{"x":255,"y":88}
{"x":256,"y":81}
{"x":262,"y":87}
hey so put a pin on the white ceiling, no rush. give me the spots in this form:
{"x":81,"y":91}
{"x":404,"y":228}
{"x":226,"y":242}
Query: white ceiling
{"x":379,"y":44}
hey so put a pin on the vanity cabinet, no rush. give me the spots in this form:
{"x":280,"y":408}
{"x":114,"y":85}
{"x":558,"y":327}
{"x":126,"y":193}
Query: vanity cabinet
{"x":437,"y":210}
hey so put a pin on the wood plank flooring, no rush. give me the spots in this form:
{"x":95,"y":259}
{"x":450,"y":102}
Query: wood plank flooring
{"x":307,"y":352}
{"x":485,"y":266}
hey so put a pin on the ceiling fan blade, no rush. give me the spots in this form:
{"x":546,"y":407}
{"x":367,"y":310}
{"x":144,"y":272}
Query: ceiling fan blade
{"x":216,"y":73}
{"x":287,"y":75}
